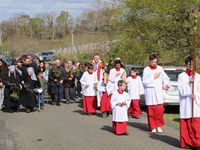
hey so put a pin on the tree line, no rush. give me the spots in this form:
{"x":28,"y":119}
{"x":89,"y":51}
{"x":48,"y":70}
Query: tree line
{"x":138,"y":27}
{"x":43,"y":26}
{"x":145,"y":26}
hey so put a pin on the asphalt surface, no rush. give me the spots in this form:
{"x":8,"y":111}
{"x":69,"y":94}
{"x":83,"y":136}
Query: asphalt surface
{"x":67,"y":128}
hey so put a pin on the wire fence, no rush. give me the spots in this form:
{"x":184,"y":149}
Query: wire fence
{"x":101,"y":46}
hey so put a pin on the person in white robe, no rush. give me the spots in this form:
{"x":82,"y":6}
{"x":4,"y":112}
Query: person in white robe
{"x":135,"y":90}
{"x":115,"y":75}
{"x":155,"y":81}
{"x":189,"y":122}
{"x":89,"y":90}
{"x":120,"y":102}
{"x":99,"y":69}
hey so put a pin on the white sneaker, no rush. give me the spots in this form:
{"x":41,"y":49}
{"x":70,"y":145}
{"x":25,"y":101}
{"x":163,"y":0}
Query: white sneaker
{"x":159,"y":129}
{"x":153,"y":130}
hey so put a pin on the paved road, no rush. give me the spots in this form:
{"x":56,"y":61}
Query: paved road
{"x":67,"y":128}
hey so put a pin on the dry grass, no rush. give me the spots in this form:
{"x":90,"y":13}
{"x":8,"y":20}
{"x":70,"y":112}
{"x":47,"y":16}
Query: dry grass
{"x":25,"y":44}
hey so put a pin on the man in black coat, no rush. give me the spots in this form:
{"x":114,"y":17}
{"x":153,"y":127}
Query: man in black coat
{"x":56,"y":78}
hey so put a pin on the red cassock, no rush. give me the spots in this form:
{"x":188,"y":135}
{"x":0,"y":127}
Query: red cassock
{"x":119,"y":127}
{"x":155,"y":116}
{"x":90,"y":104}
{"x":190,"y":132}
{"x":105,"y":102}
{"x":134,"y":109}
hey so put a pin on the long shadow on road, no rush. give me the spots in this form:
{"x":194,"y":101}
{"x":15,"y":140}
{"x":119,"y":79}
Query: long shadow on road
{"x":82,"y":113}
{"x":107,"y":128}
{"x":166,"y":139}
{"x":141,"y":126}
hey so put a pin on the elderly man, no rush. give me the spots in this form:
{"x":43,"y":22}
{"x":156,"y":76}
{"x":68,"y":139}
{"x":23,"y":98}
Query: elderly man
{"x":99,"y":69}
{"x":56,"y":77}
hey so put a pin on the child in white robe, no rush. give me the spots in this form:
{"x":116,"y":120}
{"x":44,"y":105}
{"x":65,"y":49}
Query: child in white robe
{"x":135,"y":89}
{"x":89,"y":90}
{"x":155,"y":80}
{"x":189,"y":123}
{"x":120,"y":102}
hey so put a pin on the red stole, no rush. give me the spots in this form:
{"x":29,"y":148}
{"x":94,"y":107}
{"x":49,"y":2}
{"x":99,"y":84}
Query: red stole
{"x":98,"y":72}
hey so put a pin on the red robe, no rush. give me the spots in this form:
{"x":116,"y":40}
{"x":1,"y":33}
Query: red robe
{"x":134,"y":109}
{"x":105,"y":102}
{"x":190,"y":132}
{"x":155,"y":116}
{"x":89,"y":104}
{"x":119,"y":127}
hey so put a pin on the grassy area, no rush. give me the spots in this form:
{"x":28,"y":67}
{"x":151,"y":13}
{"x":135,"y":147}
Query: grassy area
{"x":25,"y":44}
{"x":171,"y":119}
{"x":171,"y":115}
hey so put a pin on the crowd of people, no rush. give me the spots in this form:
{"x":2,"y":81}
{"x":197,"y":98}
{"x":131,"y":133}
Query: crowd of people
{"x":108,"y":87}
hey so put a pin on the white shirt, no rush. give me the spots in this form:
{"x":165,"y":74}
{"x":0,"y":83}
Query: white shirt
{"x":135,"y":87}
{"x":153,"y":88}
{"x":120,"y":114}
{"x":91,"y":81}
{"x":185,"y":92}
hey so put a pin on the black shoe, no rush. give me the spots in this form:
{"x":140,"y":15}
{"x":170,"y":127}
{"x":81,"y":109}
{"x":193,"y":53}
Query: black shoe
{"x":53,"y":103}
{"x":58,"y":104}
{"x":107,"y":113}
{"x":136,"y":117}
{"x":126,"y":134}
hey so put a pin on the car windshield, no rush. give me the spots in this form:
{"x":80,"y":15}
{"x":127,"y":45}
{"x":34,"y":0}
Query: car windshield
{"x":138,"y":68}
{"x":47,"y":53}
{"x":173,"y":74}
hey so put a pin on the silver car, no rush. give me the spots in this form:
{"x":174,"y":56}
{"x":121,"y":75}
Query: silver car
{"x":46,"y":55}
{"x":171,"y":96}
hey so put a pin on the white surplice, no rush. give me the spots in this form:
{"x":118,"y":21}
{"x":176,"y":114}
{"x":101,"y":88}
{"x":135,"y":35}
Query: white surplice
{"x":135,"y":87}
{"x":91,"y":80}
{"x":153,"y":88}
{"x":120,"y":114}
{"x":185,"y":92}
{"x":113,"y":80}
{"x":101,"y":85}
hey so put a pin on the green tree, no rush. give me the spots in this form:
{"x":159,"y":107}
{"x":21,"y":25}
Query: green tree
{"x":147,"y":26}
{"x":36,"y":27}
{"x":63,"y":21}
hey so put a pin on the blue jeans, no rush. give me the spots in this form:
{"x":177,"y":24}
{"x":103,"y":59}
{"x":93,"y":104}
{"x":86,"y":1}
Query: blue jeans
{"x":41,"y":99}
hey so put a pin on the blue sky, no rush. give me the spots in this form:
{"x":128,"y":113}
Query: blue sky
{"x":9,"y":8}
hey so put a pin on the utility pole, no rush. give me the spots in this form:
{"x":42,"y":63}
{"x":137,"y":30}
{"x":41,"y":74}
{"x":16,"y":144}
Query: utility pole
{"x":72,"y":32}
{"x":195,"y":13}
{"x":1,"y":36}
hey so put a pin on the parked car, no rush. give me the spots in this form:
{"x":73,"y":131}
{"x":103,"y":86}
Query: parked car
{"x":46,"y":55}
{"x":139,"y":68}
{"x":9,"y":60}
{"x":171,"y":96}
